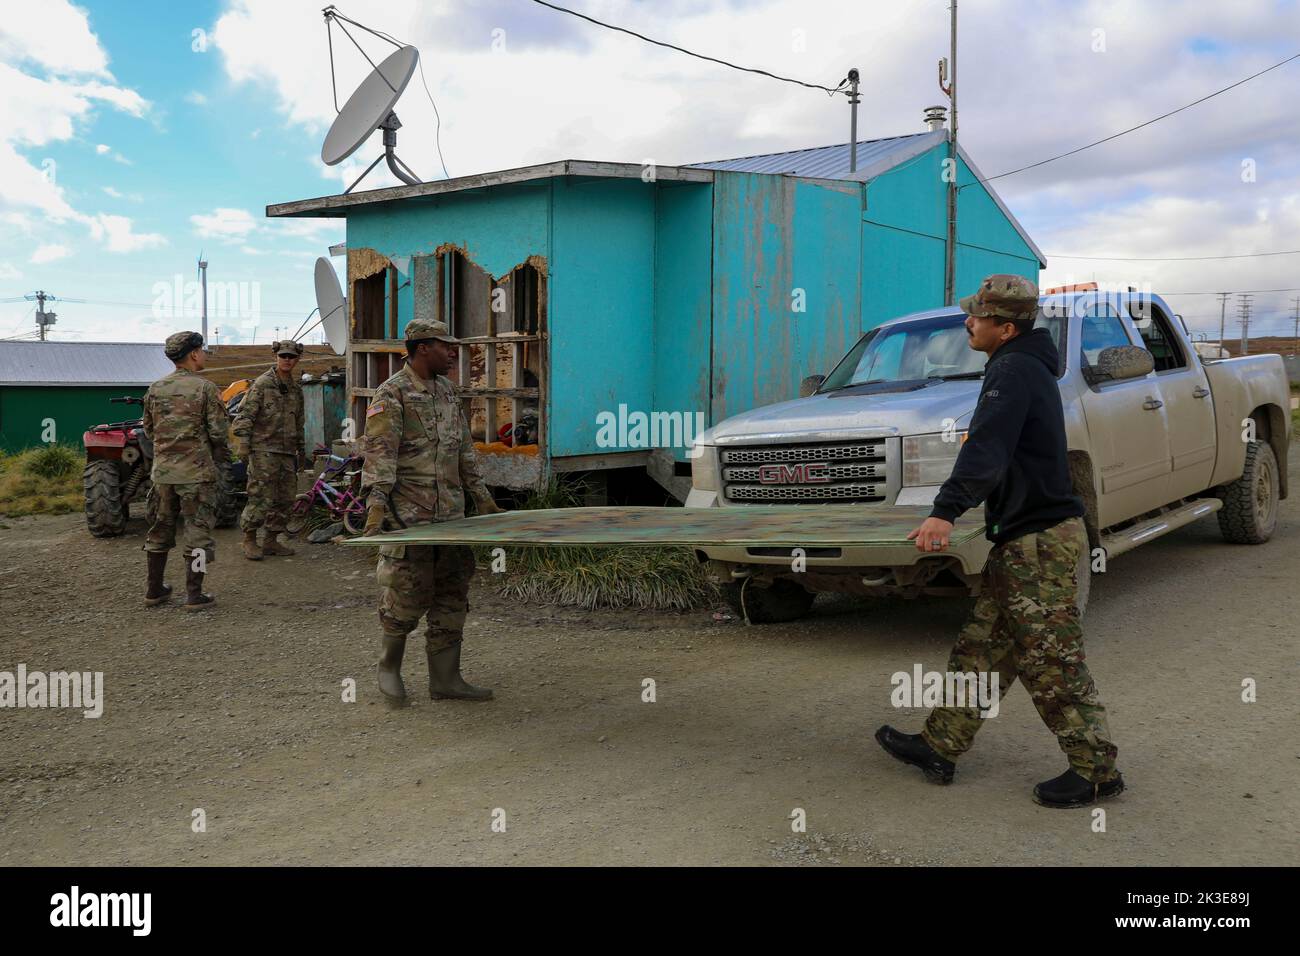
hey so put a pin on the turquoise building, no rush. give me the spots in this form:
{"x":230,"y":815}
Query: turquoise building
{"x":585,"y":290}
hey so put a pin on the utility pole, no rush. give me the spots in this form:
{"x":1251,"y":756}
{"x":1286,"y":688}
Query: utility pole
{"x":1223,"y":306}
{"x":1295,"y":349}
{"x":854,"y":100}
{"x":43,"y":318}
{"x":950,"y":259}
{"x":1243,"y":313}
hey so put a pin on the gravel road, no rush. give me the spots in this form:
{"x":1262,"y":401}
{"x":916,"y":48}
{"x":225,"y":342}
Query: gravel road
{"x":239,"y":712}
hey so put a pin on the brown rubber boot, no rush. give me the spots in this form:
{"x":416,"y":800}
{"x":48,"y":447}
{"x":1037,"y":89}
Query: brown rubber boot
{"x":195,"y":599}
{"x":156,"y":592}
{"x":390,"y":670}
{"x":252,"y":550}
{"x":445,"y":682}
{"x":272,"y":545}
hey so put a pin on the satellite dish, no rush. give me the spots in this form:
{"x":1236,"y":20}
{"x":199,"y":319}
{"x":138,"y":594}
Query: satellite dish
{"x":370,"y":108}
{"x":333,"y":307}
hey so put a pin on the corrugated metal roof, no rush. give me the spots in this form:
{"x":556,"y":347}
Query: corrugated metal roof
{"x":82,"y":363}
{"x":830,"y":162}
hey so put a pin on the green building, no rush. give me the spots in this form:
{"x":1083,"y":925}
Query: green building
{"x":54,"y":391}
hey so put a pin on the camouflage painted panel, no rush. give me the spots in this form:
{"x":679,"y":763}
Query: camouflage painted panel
{"x":806,"y":526}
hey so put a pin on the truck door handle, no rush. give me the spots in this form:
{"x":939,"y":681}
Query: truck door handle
{"x":1151,"y":404}
{"x":1200,"y":391}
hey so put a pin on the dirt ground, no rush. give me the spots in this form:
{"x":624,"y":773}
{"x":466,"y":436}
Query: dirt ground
{"x":238,"y":711}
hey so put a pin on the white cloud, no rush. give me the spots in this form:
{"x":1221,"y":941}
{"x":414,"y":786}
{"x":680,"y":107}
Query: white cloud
{"x":50,"y":252}
{"x":195,"y":98}
{"x":229,"y":225}
{"x":9,"y":272}
{"x":224,"y":224}
{"x":116,"y":232}
{"x":54,"y":74}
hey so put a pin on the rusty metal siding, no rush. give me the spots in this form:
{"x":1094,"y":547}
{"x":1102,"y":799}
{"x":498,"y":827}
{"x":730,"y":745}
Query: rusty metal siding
{"x":774,"y":235}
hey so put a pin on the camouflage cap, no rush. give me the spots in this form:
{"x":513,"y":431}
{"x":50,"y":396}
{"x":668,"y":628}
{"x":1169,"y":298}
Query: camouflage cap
{"x":286,"y":347}
{"x":181,"y":344}
{"x":418,"y":330}
{"x":1002,"y":297}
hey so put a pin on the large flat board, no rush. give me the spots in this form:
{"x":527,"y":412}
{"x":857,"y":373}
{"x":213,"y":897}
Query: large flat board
{"x":803,"y":526}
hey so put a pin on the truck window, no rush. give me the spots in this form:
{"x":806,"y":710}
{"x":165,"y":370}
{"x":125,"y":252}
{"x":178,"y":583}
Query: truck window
{"x":1158,"y":337}
{"x":1101,"y":328}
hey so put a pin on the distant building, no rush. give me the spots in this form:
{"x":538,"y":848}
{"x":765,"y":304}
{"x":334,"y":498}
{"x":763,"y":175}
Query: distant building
{"x":63,"y":388}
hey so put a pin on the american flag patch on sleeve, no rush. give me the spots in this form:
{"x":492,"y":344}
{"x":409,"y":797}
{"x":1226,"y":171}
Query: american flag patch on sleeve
{"x":374,"y":409}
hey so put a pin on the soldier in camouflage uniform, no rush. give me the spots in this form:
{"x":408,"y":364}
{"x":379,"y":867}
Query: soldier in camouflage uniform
{"x":185,"y":419}
{"x":419,"y":462}
{"x":268,"y":428}
{"x":1025,"y":623}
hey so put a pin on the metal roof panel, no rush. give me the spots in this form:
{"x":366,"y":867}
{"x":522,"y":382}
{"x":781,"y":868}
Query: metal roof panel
{"x":82,"y":363}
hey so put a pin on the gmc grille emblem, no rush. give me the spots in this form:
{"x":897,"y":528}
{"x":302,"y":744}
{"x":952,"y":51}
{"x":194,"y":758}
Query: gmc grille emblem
{"x":813,"y":473}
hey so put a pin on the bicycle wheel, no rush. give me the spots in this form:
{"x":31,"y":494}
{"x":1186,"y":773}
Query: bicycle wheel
{"x":297,"y":519}
{"x":354,"y":521}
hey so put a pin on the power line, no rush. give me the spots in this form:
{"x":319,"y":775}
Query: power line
{"x":744,"y":69}
{"x":1051,"y":159}
{"x":1244,"y":255}
{"x":1233,"y":292}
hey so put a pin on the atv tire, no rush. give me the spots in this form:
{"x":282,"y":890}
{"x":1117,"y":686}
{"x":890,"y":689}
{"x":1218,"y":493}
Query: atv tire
{"x":777,"y":603}
{"x":228,"y":507}
{"x":105,"y":510}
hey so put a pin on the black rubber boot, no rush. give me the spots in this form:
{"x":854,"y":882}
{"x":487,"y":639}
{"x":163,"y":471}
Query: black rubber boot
{"x":445,"y":681}
{"x":156,"y":592}
{"x":195,"y":599}
{"x":912,"y":748}
{"x":1072,"y":790}
{"x":390,"y":670}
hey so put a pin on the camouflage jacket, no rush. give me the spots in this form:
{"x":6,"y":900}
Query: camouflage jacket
{"x":187,"y":422}
{"x":271,"y":417}
{"x":419,"y":457}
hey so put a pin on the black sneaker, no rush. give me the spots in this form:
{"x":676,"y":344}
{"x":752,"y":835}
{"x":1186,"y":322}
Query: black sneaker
{"x":912,"y":748}
{"x":1072,"y":790}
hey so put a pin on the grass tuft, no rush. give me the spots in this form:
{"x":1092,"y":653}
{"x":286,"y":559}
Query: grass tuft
{"x":642,"y":578}
{"x":43,"y":480}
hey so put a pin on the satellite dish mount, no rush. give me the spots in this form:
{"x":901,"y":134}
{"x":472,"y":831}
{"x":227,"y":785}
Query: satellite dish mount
{"x":370,"y":107}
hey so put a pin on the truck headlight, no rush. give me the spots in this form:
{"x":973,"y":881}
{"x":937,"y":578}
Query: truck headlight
{"x":704,"y":467}
{"x":928,"y":459}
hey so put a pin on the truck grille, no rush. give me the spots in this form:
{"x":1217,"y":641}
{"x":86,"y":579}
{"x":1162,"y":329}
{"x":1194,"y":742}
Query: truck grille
{"x":805,"y":474}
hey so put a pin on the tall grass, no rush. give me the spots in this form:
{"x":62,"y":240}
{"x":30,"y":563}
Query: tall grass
{"x":630,"y":577}
{"x":41,"y":481}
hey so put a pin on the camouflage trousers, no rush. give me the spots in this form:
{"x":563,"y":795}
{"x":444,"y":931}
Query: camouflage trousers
{"x":194,"y":505}
{"x":429,"y":580}
{"x":1026,"y":625}
{"x":272,"y":486}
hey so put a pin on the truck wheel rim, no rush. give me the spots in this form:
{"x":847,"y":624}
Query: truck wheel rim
{"x":1264,"y":495}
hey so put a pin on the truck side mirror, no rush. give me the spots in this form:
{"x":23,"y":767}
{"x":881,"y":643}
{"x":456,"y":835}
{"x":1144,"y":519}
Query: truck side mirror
{"x":809,"y":385}
{"x":1121,"y":362}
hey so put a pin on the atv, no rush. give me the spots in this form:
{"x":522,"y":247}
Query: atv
{"x":119,"y":459}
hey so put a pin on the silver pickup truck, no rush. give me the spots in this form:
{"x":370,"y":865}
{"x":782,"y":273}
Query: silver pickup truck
{"x":1158,"y":437}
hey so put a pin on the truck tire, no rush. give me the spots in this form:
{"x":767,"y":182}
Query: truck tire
{"x":105,"y":511}
{"x":776,"y":603}
{"x":228,"y":508}
{"x":1249,"y":512}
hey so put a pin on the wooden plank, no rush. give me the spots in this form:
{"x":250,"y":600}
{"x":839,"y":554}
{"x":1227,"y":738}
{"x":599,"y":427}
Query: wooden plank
{"x":802,"y":526}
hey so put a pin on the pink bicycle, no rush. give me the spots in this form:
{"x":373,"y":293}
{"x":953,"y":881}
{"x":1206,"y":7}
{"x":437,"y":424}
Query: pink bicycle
{"x":342,"y":501}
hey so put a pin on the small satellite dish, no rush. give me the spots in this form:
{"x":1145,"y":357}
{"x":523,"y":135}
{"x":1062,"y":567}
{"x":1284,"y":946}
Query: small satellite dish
{"x":333,"y":307}
{"x":369,"y":108}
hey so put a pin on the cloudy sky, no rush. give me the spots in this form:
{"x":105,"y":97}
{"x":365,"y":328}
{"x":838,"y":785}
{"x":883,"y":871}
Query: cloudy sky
{"x":134,"y":136}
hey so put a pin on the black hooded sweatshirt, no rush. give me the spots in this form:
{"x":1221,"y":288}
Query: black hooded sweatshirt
{"x":1014,"y":457}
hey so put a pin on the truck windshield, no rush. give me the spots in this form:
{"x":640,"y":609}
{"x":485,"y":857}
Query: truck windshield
{"x":916,"y":352}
